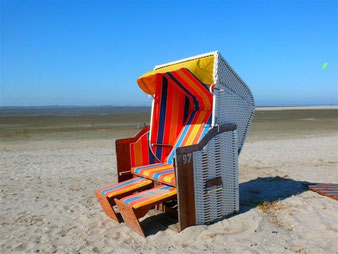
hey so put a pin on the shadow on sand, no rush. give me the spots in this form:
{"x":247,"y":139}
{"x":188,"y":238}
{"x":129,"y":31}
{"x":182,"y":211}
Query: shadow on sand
{"x":270,"y":189}
{"x":252,"y":194}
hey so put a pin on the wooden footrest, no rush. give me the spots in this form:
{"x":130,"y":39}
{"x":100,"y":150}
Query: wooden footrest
{"x":106,"y":195}
{"x":137,"y":205}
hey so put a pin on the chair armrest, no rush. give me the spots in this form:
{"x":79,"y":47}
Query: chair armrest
{"x":122,"y":148}
{"x":204,"y":141}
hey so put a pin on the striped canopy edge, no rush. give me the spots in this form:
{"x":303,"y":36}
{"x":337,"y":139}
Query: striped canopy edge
{"x":201,"y":66}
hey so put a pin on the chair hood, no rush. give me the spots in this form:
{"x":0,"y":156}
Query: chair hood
{"x":202,"y":68}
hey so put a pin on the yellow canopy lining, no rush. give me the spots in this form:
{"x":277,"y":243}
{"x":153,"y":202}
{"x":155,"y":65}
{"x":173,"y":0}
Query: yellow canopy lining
{"x":202,"y":68}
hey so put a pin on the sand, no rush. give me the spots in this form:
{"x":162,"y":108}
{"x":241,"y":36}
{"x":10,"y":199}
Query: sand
{"x":47,"y":203}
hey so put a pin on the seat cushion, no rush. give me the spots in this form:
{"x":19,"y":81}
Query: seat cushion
{"x":124,"y":187}
{"x":151,"y":196}
{"x":164,"y":173}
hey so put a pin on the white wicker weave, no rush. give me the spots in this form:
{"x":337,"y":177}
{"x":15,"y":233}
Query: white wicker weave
{"x":219,"y":158}
{"x":232,"y":103}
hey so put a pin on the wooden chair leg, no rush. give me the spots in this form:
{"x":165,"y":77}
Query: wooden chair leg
{"x":108,"y":206}
{"x":130,"y":216}
{"x":108,"y":202}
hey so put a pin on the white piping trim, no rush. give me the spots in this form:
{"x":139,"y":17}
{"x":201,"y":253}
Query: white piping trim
{"x":215,"y":71}
{"x":151,"y":118}
{"x":213,"y":110}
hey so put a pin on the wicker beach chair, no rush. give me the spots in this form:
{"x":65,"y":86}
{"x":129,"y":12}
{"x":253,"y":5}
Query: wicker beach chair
{"x":201,"y":113}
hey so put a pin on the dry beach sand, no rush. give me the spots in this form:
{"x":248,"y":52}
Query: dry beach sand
{"x":52,"y":159}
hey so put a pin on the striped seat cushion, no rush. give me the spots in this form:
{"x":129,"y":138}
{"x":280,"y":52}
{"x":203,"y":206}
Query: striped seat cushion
{"x":151,"y":196}
{"x":124,"y":187}
{"x":161,"y":172}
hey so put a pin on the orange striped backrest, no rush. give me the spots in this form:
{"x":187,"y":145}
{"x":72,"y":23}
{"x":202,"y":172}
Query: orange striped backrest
{"x":179,"y":95}
{"x":171,"y":109}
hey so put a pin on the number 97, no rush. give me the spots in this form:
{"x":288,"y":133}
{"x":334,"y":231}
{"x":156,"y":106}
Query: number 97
{"x":186,"y":158}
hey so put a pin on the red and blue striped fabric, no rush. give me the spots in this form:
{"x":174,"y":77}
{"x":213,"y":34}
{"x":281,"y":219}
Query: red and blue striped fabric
{"x":161,"y":172}
{"x":124,"y":187}
{"x":178,"y":94}
{"x":140,"y":152}
{"x":150,"y":196}
{"x":171,"y":108}
{"x":181,"y":117}
{"x":199,"y":123}
{"x":198,"y":93}
{"x":197,"y":126}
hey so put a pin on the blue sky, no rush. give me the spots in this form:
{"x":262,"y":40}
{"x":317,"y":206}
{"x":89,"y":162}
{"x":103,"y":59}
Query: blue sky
{"x":56,"y":52}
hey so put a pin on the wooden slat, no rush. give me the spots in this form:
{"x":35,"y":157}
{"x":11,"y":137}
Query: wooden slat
{"x":185,"y":190}
{"x":326,"y":189}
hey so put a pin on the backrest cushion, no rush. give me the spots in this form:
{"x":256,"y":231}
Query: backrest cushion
{"x":198,"y":124}
{"x":178,"y":94}
{"x":170,"y":112}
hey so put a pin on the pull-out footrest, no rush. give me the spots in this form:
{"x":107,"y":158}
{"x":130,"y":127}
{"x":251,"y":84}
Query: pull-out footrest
{"x":136,"y":206}
{"x":106,"y":195}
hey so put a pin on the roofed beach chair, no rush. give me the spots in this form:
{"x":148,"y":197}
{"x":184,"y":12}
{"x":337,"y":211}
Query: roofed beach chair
{"x":201,"y":113}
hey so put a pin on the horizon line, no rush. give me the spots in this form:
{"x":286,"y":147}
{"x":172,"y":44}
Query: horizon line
{"x":109,"y":105}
